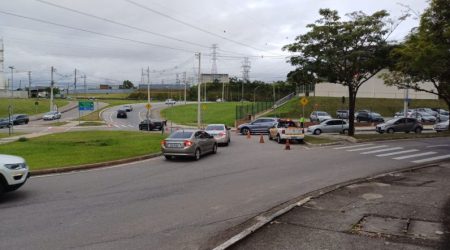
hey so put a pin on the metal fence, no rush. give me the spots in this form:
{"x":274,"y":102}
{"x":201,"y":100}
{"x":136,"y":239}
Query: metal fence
{"x":251,"y":109}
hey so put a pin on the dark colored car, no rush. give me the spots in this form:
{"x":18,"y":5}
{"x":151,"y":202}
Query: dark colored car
{"x":20,"y":119}
{"x":152,"y":124}
{"x":5,"y":123}
{"x":121,"y":114}
{"x":367,"y":116}
{"x":400,"y":124}
{"x":260,"y":125}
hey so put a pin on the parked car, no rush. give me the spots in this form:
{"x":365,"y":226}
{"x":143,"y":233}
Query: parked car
{"x":286,"y":129}
{"x":220,"y":132}
{"x":152,"y":124}
{"x":121,"y":113}
{"x":5,"y":123}
{"x":442,"y":126}
{"x":400,"y":124}
{"x":423,"y":116}
{"x":20,"y":119}
{"x":192,"y":143}
{"x":329,"y":126}
{"x":260,"y":125}
{"x":170,"y":101}
{"x":367,"y":116}
{"x":127,"y":108}
{"x":342,"y":114}
{"x":427,"y":110}
{"x":319,"y":116}
{"x":442,"y":115}
{"x":13,"y":173}
{"x":400,"y":113}
{"x":52,"y":115}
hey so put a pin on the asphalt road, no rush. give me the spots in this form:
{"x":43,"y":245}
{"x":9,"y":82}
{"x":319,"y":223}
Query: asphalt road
{"x":160,"y":204}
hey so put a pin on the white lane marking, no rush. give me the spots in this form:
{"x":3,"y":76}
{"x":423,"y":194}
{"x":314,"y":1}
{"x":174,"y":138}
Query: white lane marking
{"x":398,"y":153}
{"x":123,"y":126}
{"x":435,"y":146}
{"x":369,"y":148}
{"x":432,"y":159}
{"x":381,"y":150}
{"x":355,"y":146}
{"x":110,"y":116}
{"x":413,"y":156}
{"x":117,"y":126}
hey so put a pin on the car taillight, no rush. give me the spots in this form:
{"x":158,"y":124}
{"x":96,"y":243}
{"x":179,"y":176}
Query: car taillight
{"x":221,"y":134}
{"x":163,"y":143}
{"x":187,"y":143}
{"x":283,"y":131}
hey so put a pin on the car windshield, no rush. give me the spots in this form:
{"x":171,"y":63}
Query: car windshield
{"x":50,"y":113}
{"x":392,"y":121}
{"x":181,"y":135}
{"x":322,"y":113}
{"x":215,"y":127}
{"x":376,"y":115}
{"x":287,"y":124}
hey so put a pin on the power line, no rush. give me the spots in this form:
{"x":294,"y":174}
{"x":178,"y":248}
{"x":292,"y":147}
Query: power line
{"x":93,"y":32}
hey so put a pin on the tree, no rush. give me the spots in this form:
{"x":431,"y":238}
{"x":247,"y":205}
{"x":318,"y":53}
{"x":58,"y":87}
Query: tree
{"x":127,"y":84}
{"x":344,"y":52}
{"x":425,"y":54}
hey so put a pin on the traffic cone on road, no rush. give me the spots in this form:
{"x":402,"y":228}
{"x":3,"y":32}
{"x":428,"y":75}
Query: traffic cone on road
{"x":287,"y":146}
{"x":261,"y":139}
{"x":249,"y":135}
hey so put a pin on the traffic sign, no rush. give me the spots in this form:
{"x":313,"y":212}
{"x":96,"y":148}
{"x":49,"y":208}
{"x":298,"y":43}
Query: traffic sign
{"x":304,"y":101}
{"x":85,"y":105}
{"x":148,"y":106}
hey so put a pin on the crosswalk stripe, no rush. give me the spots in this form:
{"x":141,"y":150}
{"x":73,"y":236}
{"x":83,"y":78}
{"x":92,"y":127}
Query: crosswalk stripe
{"x":415,"y":155}
{"x":398,"y":152}
{"x":432,"y":159}
{"x":355,"y":146}
{"x":361,"y":149}
{"x":381,"y":150}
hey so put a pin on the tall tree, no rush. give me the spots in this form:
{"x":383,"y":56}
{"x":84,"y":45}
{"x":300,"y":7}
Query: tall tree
{"x":344,"y":52}
{"x":127,"y":84}
{"x":425,"y":54}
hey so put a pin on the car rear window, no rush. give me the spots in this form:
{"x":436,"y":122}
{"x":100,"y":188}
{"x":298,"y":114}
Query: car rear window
{"x":181,"y":135}
{"x":215,"y":127}
{"x":322,"y":113}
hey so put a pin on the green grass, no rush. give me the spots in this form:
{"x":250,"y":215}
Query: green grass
{"x":386,"y":107}
{"x":317,"y":140}
{"x":396,"y":136}
{"x":6,"y":134}
{"x":57,"y":124}
{"x":76,"y":148}
{"x":84,"y":124}
{"x":27,"y":106}
{"x":212,"y":113}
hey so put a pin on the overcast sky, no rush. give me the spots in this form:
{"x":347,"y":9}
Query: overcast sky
{"x":163,"y":35}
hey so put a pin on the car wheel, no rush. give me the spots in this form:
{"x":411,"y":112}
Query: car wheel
{"x":279,"y":139}
{"x":245,"y":131}
{"x":358,"y":120}
{"x":390,"y":131}
{"x":345,"y":131}
{"x":197,"y":154}
{"x":418,"y":130}
{"x":214,"y":150}
{"x":317,"y":132}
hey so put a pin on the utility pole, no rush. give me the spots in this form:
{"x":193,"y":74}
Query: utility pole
{"x":405,"y":102}
{"x":149,"y":110}
{"x":51,"y":88}
{"x":85,"y":87}
{"x":75,"y":83}
{"x":29,"y":84}
{"x":199,"y":91}
{"x":245,"y":74}
{"x":184,"y":81}
{"x":148,"y":84}
{"x":12,"y":80}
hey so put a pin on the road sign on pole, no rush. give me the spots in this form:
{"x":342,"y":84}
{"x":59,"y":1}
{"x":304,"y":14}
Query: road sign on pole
{"x":148,"y":106}
{"x":304,"y":101}
{"x":85,"y":105}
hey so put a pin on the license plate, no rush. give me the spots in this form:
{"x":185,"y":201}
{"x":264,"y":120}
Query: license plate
{"x":173,"y":145}
{"x":293,"y":131}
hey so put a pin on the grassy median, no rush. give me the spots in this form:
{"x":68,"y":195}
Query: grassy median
{"x":28,"y":106}
{"x":77,"y":148}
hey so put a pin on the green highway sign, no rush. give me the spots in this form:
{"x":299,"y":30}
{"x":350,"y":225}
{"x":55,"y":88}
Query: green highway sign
{"x":85,"y":105}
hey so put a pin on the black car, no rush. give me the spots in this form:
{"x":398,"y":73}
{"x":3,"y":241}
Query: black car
{"x":20,"y":119}
{"x":367,"y":116}
{"x":152,"y":124}
{"x":121,"y":113}
{"x":5,"y":123}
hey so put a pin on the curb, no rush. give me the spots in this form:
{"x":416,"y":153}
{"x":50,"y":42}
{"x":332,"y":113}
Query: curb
{"x":92,"y":166}
{"x":257,"y":222}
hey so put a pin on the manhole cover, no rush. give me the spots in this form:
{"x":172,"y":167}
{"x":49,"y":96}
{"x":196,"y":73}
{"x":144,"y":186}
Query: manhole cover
{"x":384,"y":225}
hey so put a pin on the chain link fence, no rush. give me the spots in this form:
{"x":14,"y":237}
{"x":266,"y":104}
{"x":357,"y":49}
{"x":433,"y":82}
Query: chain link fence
{"x":247,"y":110}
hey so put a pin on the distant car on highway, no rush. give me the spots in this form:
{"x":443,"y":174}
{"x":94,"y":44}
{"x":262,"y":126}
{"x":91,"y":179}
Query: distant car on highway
{"x":121,"y":113}
{"x":260,"y":125}
{"x":442,"y":126}
{"x":400,"y":124}
{"x":127,"y":108}
{"x":20,"y":119}
{"x":170,"y":101}
{"x":220,"y":132}
{"x":13,"y":173}
{"x":52,"y":115}
{"x":319,"y":116}
{"x":5,"y":123}
{"x":192,"y":143}
{"x":330,"y":126}
{"x":151,"y":124}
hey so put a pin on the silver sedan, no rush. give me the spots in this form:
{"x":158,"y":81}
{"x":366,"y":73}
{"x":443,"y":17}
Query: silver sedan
{"x":192,"y":143}
{"x":220,"y":132}
{"x":329,"y":126}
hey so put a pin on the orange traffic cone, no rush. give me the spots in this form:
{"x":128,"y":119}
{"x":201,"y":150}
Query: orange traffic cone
{"x":249,"y":135}
{"x":261,"y":139}
{"x":287,"y":146}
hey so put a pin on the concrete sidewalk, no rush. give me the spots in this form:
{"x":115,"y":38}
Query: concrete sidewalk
{"x":407,"y":210}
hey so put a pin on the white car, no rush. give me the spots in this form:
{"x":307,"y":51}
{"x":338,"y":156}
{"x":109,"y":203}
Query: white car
{"x":220,"y":132}
{"x":13,"y":172}
{"x":170,"y":101}
{"x":127,"y":108}
{"x":52,"y":115}
{"x":442,"y":126}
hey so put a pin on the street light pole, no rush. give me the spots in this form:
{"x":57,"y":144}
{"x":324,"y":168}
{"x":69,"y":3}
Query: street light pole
{"x":12,"y":80}
{"x":254,"y":93}
{"x":199,"y":92}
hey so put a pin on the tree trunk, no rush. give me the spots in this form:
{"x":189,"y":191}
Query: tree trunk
{"x":351,"y":111}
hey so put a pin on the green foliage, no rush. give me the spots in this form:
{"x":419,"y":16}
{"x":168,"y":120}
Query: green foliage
{"x":27,"y":106}
{"x":127,"y":84}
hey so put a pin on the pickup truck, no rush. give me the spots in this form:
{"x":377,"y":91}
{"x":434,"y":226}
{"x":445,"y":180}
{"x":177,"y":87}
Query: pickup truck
{"x":286,"y":129}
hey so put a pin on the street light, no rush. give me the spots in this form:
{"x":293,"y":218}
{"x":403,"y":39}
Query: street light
{"x":12,"y":79}
{"x":254,"y":93}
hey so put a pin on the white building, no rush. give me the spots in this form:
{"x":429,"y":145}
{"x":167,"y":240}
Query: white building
{"x":374,"y":88}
